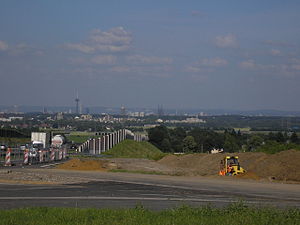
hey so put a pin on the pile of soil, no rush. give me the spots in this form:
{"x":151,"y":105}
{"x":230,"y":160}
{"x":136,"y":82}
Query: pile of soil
{"x":281,"y":166}
{"x":84,"y":164}
{"x":116,"y":163}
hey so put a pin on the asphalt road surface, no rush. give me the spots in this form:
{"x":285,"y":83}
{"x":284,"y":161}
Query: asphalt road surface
{"x":119,"y":190}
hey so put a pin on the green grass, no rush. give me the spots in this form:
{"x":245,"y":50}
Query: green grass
{"x":236,"y":214}
{"x":133,"y":149}
{"x":80,"y":138}
{"x":14,"y":141}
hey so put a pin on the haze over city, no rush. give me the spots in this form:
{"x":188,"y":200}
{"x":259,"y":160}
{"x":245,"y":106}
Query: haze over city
{"x":241,"y":55}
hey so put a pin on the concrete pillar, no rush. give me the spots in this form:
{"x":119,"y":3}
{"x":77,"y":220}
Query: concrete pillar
{"x":99,"y":146}
{"x":94,"y":146}
{"x":115,"y":138}
{"x":104,"y":143}
{"x":110,"y":141}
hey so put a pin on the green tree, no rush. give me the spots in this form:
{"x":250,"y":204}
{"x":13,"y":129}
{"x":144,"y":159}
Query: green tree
{"x":254,"y":142}
{"x":157,"y":135}
{"x":166,"y":145}
{"x":189,"y":144}
{"x":294,"y":138}
{"x":279,"y":137}
{"x":231,"y":144}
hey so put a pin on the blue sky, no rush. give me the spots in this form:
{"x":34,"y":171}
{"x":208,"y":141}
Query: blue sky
{"x":182,"y":54}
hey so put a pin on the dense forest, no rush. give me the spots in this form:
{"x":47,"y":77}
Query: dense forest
{"x":203,"y":140}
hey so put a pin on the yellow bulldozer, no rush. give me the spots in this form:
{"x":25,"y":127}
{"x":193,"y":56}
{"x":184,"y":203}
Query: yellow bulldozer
{"x":230,"y":166}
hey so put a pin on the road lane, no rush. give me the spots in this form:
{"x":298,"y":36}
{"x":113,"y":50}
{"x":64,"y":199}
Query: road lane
{"x":102,"y":189}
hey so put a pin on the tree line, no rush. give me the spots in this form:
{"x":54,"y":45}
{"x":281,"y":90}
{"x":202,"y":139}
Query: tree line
{"x":189,"y":140}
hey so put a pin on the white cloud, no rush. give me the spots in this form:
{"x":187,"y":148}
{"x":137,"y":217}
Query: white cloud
{"x":114,"y":40}
{"x":206,"y":65}
{"x":278,"y":43}
{"x":275,"y":52}
{"x":295,"y":60}
{"x":81,"y":47}
{"x":289,"y":69}
{"x":104,"y":59}
{"x":3,"y":46}
{"x":115,"y":36}
{"x":296,"y":67}
{"x":214,"y":62}
{"x":248,"y":64}
{"x":226,"y":41}
{"x":23,"y":48}
{"x":139,"y":59}
{"x":120,"y":69}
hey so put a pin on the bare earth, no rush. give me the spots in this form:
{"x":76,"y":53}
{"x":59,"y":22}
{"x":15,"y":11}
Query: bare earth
{"x":282,"y":167}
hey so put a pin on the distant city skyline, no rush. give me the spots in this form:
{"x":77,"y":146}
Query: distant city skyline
{"x":144,"y":111}
{"x":233,"y":55}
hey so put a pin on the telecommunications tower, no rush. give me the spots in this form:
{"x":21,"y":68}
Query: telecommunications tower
{"x":77,"y":103}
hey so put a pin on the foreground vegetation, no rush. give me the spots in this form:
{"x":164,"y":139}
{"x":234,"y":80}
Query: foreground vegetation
{"x":133,"y":149}
{"x":232,"y":215}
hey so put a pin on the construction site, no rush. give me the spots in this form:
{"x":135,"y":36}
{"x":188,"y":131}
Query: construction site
{"x":136,"y":158}
{"x":137,"y":173}
{"x":281,"y":167}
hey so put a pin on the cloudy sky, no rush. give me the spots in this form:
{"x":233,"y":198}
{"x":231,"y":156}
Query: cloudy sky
{"x":213,"y":54}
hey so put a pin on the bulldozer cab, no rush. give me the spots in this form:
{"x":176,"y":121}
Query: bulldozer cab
{"x":230,"y":166}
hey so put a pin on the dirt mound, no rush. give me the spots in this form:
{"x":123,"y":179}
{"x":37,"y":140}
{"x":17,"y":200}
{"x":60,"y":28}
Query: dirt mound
{"x":194,"y":164}
{"x":281,"y":166}
{"x":84,"y":164}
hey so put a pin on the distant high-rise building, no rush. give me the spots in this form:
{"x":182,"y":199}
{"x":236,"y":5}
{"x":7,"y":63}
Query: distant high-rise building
{"x":87,"y":110}
{"x":45,"y":111}
{"x":59,"y":116}
{"x":123,"y":110}
{"x":77,"y":103}
{"x":15,"y":109}
{"x":160,"y":110}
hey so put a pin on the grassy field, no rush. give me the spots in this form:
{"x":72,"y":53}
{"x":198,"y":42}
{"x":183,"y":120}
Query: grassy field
{"x":14,"y":141}
{"x":79,"y":139}
{"x":133,"y":149}
{"x":237,"y":214}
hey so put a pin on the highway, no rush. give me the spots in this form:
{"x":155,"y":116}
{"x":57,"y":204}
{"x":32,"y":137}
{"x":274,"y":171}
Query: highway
{"x":121,"y":190}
